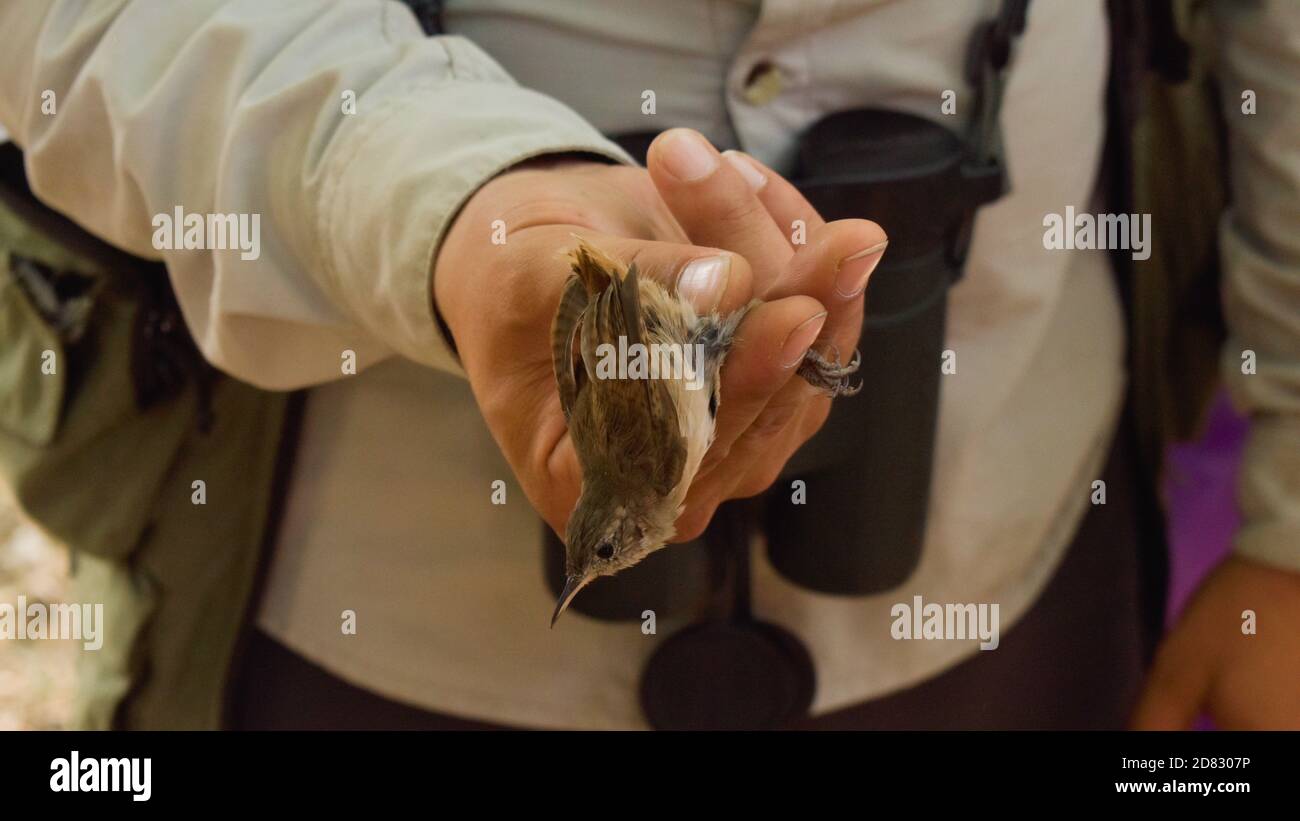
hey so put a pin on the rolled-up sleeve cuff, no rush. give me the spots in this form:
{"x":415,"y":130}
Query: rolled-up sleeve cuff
{"x":1270,"y":494}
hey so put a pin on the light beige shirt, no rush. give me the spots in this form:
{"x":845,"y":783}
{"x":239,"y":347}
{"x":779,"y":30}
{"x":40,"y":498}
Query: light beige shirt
{"x":237,"y":107}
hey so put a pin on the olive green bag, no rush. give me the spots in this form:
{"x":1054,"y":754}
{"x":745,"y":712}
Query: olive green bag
{"x":108,"y":420}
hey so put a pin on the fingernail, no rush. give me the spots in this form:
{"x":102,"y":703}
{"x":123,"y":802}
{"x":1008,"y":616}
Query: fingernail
{"x":801,"y":339}
{"x":742,"y":163}
{"x":703,"y":281}
{"x":688,"y":156}
{"x":855,"y":270}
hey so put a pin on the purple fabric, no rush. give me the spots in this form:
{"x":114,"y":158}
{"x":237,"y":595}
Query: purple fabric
{"x":1200,"y":485}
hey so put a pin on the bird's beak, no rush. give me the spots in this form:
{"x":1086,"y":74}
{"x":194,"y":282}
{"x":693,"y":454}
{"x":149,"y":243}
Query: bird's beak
{"x":572,"y":584}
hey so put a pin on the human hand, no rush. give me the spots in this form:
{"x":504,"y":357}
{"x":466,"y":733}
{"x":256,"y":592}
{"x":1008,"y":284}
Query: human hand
{"x":1207,"y":664}
{"x":498,"y":301}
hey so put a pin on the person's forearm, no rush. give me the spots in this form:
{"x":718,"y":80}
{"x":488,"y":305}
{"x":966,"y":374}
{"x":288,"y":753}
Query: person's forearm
{"x":352,"y":136}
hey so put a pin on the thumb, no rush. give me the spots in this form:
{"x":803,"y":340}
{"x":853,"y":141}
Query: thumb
{"x":1177,"y":685}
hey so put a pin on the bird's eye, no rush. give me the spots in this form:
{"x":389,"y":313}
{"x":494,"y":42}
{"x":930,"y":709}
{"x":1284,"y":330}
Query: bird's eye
{"x":605,"y":551}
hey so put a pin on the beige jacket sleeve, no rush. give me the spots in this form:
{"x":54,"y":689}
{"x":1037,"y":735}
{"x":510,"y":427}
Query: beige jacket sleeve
{"x":1260,"y":236}
{"x":241,"y":107}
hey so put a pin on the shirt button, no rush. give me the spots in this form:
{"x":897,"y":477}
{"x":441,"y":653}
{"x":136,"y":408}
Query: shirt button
{"x":763,"y":84}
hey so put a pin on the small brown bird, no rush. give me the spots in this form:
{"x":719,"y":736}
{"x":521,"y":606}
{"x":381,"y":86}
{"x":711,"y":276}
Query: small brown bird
{"x":637,"y":370}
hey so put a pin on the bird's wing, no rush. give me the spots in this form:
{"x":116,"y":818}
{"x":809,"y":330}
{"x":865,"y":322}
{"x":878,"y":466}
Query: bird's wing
{"x":642,"y":418}
{"x":665,"y":471}
{"x":568,"y":319}
{"x":629,"y":304}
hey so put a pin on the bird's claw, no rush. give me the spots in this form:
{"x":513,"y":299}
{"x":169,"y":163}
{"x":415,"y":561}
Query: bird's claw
{"x":828,"y":375}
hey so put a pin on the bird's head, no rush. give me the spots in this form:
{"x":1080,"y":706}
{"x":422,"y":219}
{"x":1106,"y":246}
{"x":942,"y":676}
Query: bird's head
{"x":611,"y":531}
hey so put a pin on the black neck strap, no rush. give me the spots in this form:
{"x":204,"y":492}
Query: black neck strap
{"x":428,"y":13}
{"x":987,"y":60}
